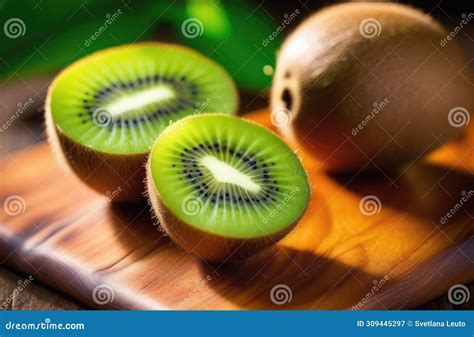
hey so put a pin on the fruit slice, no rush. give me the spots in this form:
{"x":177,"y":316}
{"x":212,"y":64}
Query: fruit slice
{"x":105,"y":111}
{"x":223,"y":187}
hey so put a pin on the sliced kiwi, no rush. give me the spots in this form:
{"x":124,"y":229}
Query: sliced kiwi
{"x":104,"y":112}
{"x":223,"y":187}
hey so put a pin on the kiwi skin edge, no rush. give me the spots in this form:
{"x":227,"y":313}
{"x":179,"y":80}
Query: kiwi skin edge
{"x":103,"y":172}
{"x":339,"y":92}
{"x":208,"y":246}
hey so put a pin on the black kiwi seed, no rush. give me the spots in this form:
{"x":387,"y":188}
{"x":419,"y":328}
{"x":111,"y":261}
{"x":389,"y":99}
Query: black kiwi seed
{"x":103,"y":96}
{"x":192,"y":173}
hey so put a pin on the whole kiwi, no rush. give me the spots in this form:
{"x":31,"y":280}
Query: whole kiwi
{"x":370,"y":85}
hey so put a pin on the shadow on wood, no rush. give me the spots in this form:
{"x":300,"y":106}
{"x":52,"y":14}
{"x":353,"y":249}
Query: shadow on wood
{"x":285,"y":278}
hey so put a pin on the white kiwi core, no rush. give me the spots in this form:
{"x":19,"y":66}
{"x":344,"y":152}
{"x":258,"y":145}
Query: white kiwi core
{"x":225,"y":173}
{"x":140,"y":99}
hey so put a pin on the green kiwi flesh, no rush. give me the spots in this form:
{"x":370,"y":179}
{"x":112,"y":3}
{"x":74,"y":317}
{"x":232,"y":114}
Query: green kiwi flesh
{"x":224,"y":187}
{"x":369,"y":85}
{"x":105,"y":111}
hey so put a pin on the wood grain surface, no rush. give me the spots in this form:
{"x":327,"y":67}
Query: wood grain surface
{"x":114,"y":256}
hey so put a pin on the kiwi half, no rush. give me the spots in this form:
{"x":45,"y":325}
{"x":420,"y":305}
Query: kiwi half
{"x":104,"y":112}
{"x":223,"y":187}
{"x":368,"y":85}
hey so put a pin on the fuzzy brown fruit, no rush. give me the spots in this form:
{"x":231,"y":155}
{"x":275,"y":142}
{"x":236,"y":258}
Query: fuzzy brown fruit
{"x":370,"y":85}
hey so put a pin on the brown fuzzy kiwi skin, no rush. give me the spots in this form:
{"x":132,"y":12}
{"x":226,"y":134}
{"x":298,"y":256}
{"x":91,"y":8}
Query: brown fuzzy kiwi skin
{"x":335,"y":75}
{"x":208,"y":246}
{"x":103,"y":172}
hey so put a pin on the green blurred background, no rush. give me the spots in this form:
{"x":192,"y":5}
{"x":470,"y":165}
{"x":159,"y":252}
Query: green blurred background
{"x":55,"y":33}
{"x":41,"y":37}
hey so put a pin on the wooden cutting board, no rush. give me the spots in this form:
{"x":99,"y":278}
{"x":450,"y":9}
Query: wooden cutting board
{"x":398,"y":255}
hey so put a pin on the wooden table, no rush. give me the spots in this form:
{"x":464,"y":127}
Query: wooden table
{"x":40,"y":297}
{"x":37,"y":296}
